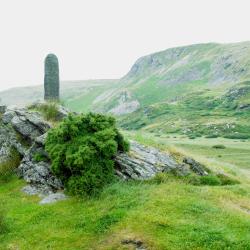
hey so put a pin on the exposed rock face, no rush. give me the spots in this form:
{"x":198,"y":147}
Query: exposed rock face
{"x":32,"y":128}
{"x":8,"y":140}
{"x":145,"y":162}
{"x":139,"y":164}
{"x":195,"y":166}
{"x":51,"y":78}
{"x":126,"y":104}
{"x":29,"y":124}
{"x":38,"y":173}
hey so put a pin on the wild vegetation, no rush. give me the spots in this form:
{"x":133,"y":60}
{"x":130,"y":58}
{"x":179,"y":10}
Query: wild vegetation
{"x":165,"y":213}
{"x":197,"y":90}
{"x":82,"y":149}
{"x":8,"y":167}
{"x":193,"y":101}
{"x":49,"y":110}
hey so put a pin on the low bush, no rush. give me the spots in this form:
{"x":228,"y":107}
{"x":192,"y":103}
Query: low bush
{"x":211,"y":136}
{"x":82,"y":150}
{"x":192,"y":137}
{"x":38,"y":157}
{"x":7,"y":168}
{"x":193,"y":179}
{"x":162,"y":178}
{"x":237,"y":136}
{"x":226,"y":180}
{"x":219,"y":146}
{"x":210,"y":180}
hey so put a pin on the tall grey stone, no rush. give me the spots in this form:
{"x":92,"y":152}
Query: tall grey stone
{"x":51,"y":78}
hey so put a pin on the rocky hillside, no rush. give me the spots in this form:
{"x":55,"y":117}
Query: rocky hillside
{"x":196,"y":90}
{"x":24,"y":131}
{"x":168,"y":75}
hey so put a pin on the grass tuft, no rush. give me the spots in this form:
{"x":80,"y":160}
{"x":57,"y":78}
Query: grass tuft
{"x":49,"y":110}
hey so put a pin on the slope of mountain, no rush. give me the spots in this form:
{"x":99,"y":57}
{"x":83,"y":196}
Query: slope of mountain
{"x":197,"y":90}
{"x":72,"y":93}
{"x":167,"y":75}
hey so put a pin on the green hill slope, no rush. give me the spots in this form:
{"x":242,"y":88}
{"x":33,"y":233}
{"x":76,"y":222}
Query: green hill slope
{"x":202,"y":88}
{"x":170,"y":74}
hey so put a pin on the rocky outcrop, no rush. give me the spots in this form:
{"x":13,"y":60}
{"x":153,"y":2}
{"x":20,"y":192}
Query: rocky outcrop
{"x":195,"y":166}
{"x":29,"y":124}
{"x":37,"y":172}
{"x":139,"y":164}
{"x":126,"y":104}
{"x":31,"y":128}
{"x":145,"y":162}
{"x":8,"y":141}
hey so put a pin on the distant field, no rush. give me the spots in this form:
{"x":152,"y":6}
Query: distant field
{"x":234,"y":158}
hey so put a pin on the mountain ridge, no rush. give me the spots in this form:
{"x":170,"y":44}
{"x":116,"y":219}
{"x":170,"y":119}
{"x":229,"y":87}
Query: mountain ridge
{"x":164,"y":76}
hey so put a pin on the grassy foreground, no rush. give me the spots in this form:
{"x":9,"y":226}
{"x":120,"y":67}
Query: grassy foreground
{"x":167,"y":215}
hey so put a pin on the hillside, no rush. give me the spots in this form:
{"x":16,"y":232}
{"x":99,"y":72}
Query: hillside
{"x":72,"y":93}
{"x":171,"y":191}
{"x":167,"y":75}
{"x":196,"y":90}
{"x":171,"y":205}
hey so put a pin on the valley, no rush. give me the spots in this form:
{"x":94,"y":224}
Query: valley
{"x":191,"y":101}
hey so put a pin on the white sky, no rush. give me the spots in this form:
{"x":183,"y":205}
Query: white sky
{"x":102,"y":38}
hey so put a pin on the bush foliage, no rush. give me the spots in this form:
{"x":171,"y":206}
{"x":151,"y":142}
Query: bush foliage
{"x":8,"y":167}
{"x":219,"y":146}
{"x":82,"y":149}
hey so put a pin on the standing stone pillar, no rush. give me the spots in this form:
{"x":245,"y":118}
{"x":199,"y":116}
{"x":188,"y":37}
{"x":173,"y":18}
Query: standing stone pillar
{"x":51,"y":78}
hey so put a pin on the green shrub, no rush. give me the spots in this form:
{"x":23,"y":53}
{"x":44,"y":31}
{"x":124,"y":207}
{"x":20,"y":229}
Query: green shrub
{"x":82,"y":150}
{"x":237,"y":136}
{"x":8,"y":167}
{"x":193,"y":179}
{"x":192,"y":137}
{"x":212,"y":136}
{"x":210,"y":180}
{"x":219,"y":146}
{"x":39,"y":157}
{"x":162,"y":178}
{"x":226,"y":180}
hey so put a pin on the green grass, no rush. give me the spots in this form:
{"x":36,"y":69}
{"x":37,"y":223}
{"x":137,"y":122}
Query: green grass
{"x":49,"y":110}
{"x":166,"y":214}
{"x":171,"y":215}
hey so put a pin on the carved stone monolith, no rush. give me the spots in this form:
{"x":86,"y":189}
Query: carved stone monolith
{"x":51,"y":78}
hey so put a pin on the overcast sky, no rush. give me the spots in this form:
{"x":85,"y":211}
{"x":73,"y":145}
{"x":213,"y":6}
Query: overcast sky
{"x":102,"y":38}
